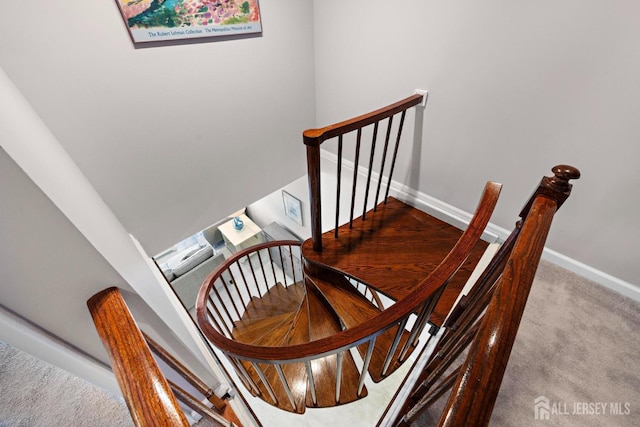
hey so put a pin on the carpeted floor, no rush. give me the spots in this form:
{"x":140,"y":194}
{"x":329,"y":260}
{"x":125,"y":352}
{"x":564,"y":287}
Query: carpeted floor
{"x":578,"y":347}
{"x":36,"y":394}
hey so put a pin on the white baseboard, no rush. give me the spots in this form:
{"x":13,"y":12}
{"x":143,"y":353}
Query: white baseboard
{"x":24,"y":336}
{"x":493,"y":233}
{"x":608,"y":281}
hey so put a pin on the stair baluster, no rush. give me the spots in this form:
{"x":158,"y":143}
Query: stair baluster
{"x":313,"y":138}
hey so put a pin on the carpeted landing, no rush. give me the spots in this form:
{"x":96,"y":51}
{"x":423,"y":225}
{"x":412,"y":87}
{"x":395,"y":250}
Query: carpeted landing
{"x":36,"y":394}
{"x":578,"y":347}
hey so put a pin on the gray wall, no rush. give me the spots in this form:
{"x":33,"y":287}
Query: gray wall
{"x":514,"y":88}
{"x":174,"y":137}
{"x":49,"y":270}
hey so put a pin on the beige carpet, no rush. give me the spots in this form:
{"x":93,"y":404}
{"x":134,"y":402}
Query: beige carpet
{"x":578,"y":346}
{"x":36,"y":394}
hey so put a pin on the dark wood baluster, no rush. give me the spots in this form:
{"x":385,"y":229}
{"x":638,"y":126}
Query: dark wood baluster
{"x":373,"y":151}
{"x":284,"y":275}
{"x":355,"y":175}
{"x":199,"y":407}
{"x":235,"y":285}
{"x":395,"y":154}
{"x":293,"y":267}
{"x":273,"y":269}
{"x":244,"y":280}
{"x":231,"y":298}
{"x":384,"y":158}
{"x":445,"y":358}
{"x":264,"y":272}
{"x":213,"y":318}
{"x":339,"y":176}
{"x":313,"y":169}
{"x":253,"y":272}
{"x":224,"y":306}
{"x":185,"y":373}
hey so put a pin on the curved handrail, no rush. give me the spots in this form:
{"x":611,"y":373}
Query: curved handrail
{"x":487,"y":322}
{"x":365,"y":331}
{"x":476,"y":389}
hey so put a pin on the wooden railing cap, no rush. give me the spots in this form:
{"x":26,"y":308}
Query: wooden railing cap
{"x":556,"y":188}
{"x":561,"y":176}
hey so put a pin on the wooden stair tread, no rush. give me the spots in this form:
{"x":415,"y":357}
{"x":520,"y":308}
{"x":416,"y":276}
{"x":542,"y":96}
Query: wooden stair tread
{"x":351,"y":307}
{"x":294,"y":329}
{"x":393,"y":250}
{"x":323,"y":323}
{"x":279,"y":299}
{"x":268,"y":331}
{"x":354,"y":309}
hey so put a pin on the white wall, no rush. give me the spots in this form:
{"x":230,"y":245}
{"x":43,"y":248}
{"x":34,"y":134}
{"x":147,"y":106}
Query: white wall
{"x":49,"y":270}
{"x":513,"y":90}
{"x":171,"y":137}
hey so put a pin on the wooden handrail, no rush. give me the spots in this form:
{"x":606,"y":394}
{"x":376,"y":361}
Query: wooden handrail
{"x":145,"y":389}
{"x":313,"y":138}
{"x":487,"y":318}
{"x":358,"y":334}
{"x":476,"y":389}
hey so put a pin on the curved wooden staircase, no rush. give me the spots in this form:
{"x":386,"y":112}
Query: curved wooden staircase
{"x":304,"y":325}
{"x":310,"y":338}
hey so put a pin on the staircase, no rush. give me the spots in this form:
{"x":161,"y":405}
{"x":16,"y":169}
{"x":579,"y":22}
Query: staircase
{"x":304,"y":325}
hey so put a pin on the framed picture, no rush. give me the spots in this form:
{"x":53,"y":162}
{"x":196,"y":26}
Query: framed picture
{"x":155,"y":20}
{"x":292,"y":207}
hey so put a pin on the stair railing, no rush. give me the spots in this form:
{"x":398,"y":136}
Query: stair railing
{"x":487,"y":322}
{"x":151,"y":398}
{"x":145,"y":389}
{"x":313,"y":138}
{"x":216,"y":314}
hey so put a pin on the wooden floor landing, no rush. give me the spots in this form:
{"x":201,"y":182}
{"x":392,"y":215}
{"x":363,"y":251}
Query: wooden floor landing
{"x":393,"y":250}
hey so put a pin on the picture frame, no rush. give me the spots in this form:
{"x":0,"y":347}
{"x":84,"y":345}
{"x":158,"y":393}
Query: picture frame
{"x":292,"y":207}
{"x":152,"y":21}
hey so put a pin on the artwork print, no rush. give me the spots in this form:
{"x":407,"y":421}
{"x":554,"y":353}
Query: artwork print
{"x":156,"y":20}
{"x":292,"y":207}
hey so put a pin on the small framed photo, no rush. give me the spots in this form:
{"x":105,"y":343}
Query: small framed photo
{"x":292,"y":207}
